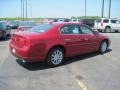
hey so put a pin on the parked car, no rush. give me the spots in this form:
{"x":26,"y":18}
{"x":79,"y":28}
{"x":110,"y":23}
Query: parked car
{"x":13,"y":24}
{"x":4,"y":30}
{"x":53,"y":42}
{"x":61,"y":20}
{"x":88,"y":22}
{"x":25,"y":25}
{"x":107,"y":25}
{"x":75,"y":20}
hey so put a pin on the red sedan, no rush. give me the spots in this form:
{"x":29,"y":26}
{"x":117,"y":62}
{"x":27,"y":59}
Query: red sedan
{"x":53,"y":42}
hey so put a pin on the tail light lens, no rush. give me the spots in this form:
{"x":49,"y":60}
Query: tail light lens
{"x":23,"y":42}
{"x":20,"y":41}
{"x":101,"y":24}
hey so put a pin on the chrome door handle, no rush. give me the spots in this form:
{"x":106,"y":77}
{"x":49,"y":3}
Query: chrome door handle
{"x":68,"y":39}
{"x":86,"y":39}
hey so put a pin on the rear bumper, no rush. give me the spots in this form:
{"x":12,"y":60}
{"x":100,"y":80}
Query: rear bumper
{"x":26,"y":55}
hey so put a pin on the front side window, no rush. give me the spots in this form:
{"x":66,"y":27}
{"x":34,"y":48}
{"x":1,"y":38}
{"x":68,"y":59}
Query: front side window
{"x":70,"y":29}
{"x":86,"y":30}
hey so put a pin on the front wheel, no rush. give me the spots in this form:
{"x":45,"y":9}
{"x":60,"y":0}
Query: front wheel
{"x":55,"y":57}
{"x":103,"y":47}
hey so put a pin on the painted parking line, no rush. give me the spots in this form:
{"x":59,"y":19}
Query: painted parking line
{"x":81,"y":84}
{"x":3,"y":53}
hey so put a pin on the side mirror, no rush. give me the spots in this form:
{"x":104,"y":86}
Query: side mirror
{"x":96,"y":32}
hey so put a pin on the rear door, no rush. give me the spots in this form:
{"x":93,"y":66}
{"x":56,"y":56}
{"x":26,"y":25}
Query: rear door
{"x":71,"y":37}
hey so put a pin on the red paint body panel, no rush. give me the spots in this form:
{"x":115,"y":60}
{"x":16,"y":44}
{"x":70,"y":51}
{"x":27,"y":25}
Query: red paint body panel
{"x":37,"y":45}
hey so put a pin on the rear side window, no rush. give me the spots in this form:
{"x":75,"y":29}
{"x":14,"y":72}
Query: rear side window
{"x":115,"y":21}
{"x":105,"y":21}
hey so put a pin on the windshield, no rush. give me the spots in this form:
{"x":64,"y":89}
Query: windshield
{"x":41,"y":28}
{"x":14,"y":22}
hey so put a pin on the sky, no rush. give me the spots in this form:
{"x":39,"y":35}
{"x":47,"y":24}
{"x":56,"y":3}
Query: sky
{"x":59,"y":8}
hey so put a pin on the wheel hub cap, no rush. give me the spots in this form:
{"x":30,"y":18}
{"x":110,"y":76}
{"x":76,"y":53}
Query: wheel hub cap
{"x":56,"y":57}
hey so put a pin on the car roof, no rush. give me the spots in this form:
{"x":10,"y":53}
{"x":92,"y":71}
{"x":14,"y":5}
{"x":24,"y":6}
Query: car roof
{"x":64,"y":23}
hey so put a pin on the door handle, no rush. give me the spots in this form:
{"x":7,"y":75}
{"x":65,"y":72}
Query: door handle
{"x":68,"y":39}
{"x":86,"y":39}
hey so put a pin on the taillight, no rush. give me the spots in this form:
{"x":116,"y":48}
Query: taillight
{"x":20,"y":41}
{"x":23,"y":42}
{"x":101,"y":24}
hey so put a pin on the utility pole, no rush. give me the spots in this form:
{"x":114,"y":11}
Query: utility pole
{"x":85,"y":8}
{"x":26,"y":10}
{"x":21,"y":10}
{"x":109,"y":8}
{"x":102,"y":9}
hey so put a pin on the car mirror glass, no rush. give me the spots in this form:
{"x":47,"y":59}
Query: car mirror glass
{"x":96,"y":32}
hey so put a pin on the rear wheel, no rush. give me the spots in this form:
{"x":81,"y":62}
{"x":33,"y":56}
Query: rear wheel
{"x":107,"y":29}
{"x":103,"y":47}
{"x":55,"y":57}
{"x":5,"y":36}
{"x":99,"y":30}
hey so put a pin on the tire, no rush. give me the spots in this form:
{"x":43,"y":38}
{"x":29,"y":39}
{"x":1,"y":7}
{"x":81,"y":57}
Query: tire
{"x":107,"y":30}
{"x":55,"y":57}
{"x":99,"y":30}
{"x":103,"y":47}
{"x":4,"y":36}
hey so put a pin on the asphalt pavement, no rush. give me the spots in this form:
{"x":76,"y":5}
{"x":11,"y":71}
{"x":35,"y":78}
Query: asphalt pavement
{"x":86,"y":72}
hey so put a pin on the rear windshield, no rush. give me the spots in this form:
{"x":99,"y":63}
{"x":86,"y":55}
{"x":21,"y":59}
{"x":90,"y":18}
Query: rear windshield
{"x":27,"y":23}
{"x":41,"y":28}
{"x":98,"y":20}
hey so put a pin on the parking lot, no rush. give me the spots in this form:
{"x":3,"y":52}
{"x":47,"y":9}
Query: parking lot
{"x":86,"y":72}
